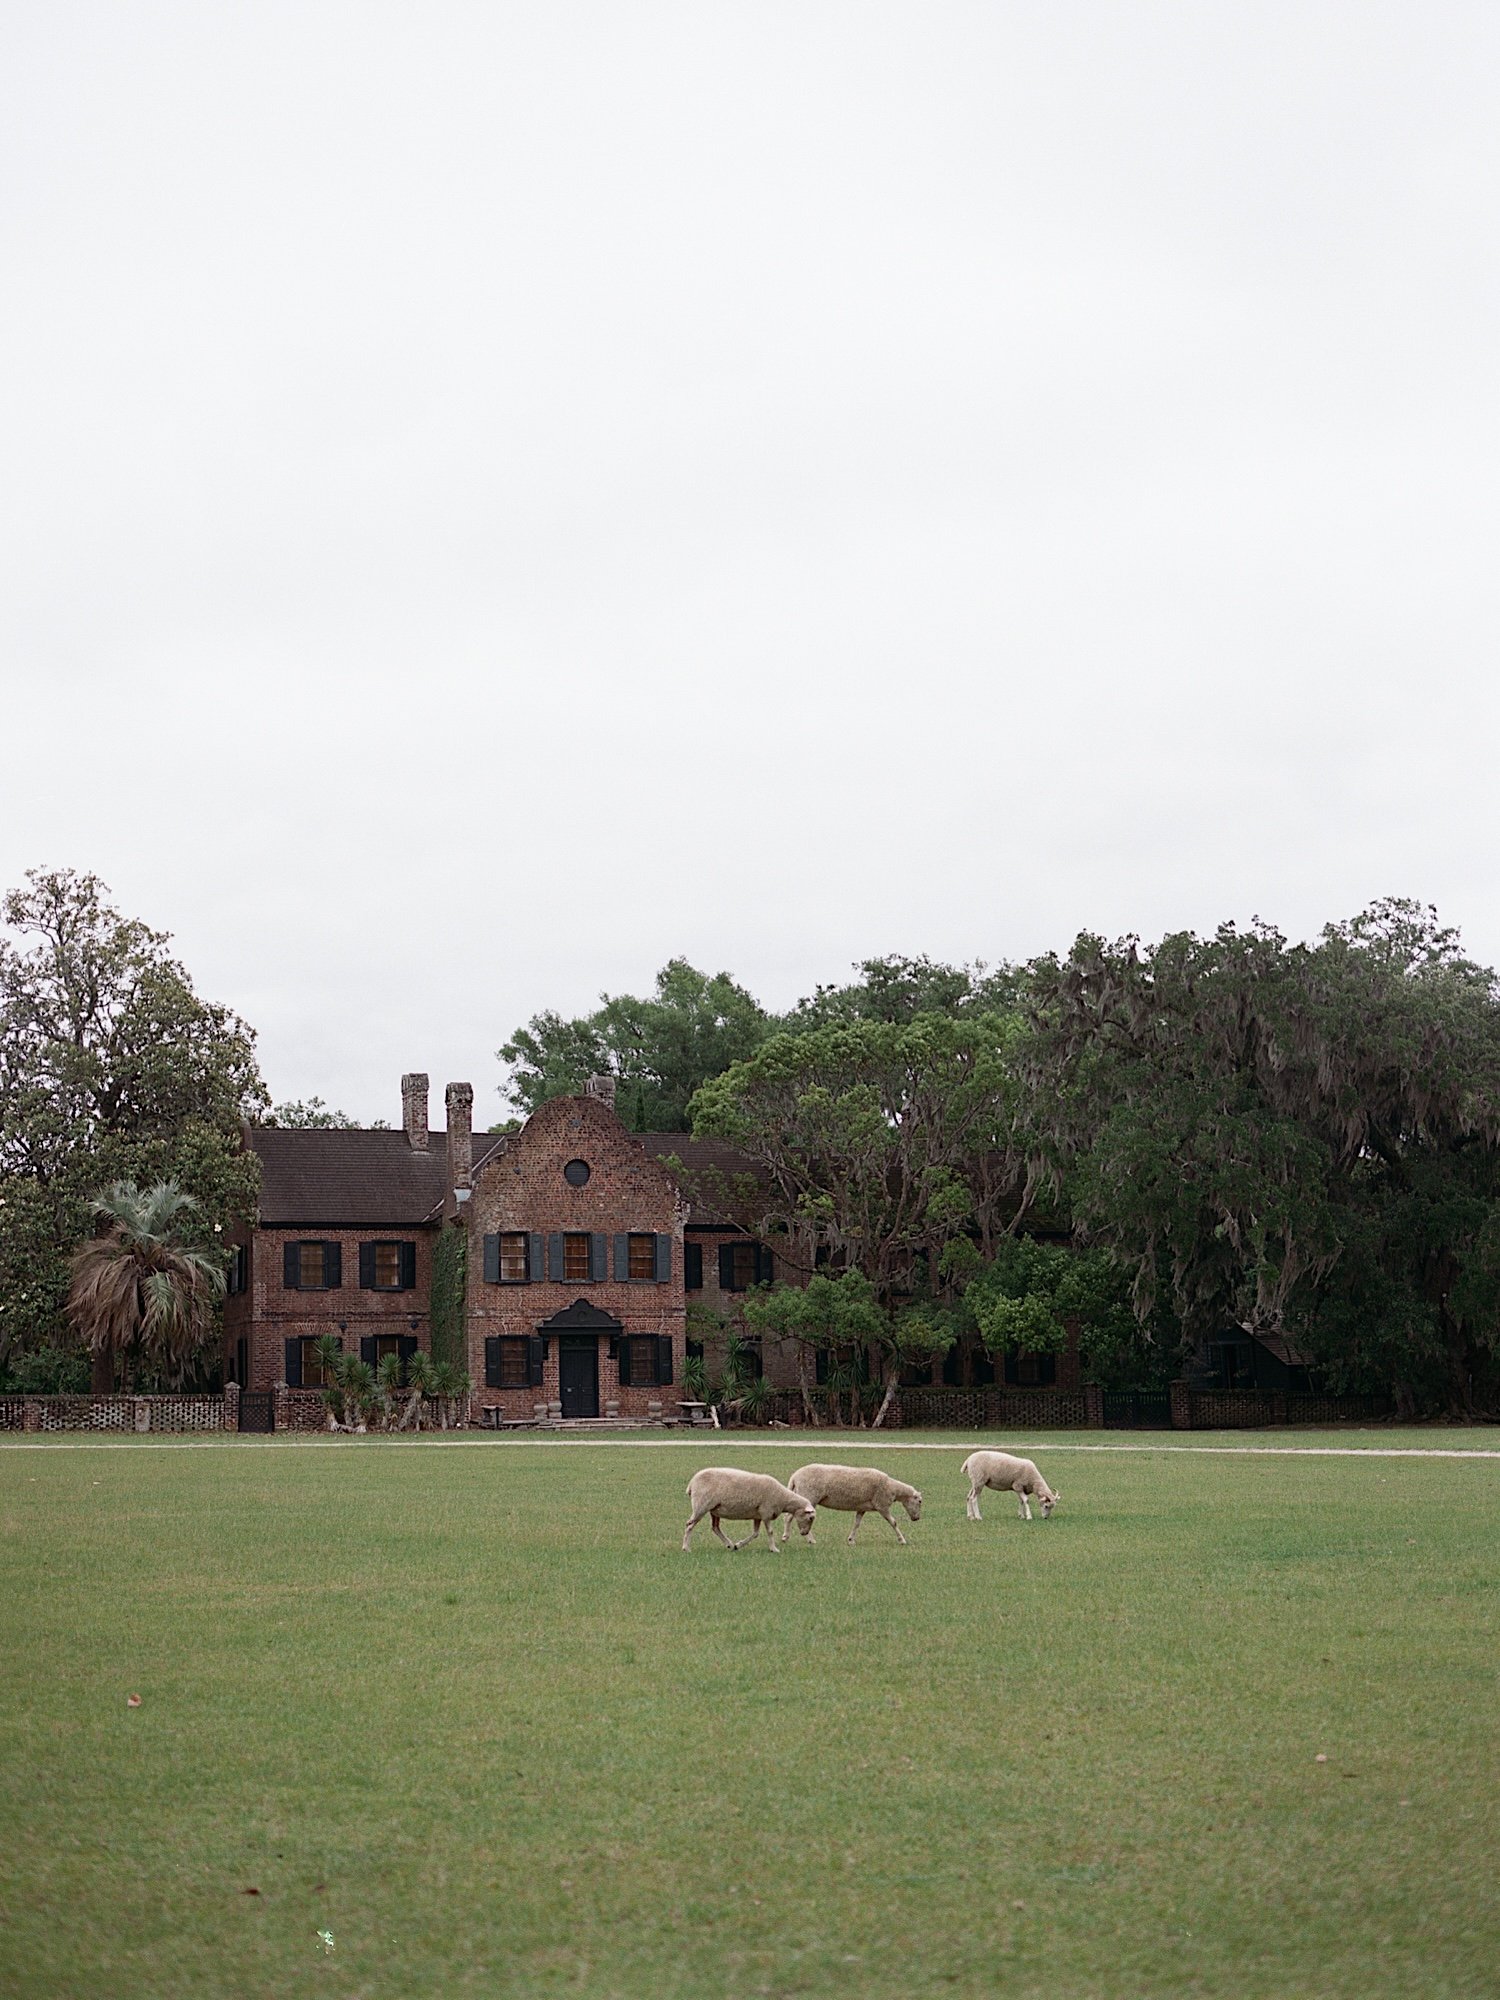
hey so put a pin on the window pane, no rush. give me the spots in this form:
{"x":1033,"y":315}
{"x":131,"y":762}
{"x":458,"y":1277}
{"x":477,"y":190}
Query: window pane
{"x":576,"y":1259}
{"x":643,"y":1256}
{"x":514,"y":1373}
{"x":744,"y":1266}
{"x":513,"y":1257}
{"x":387,"y":1343}
{"x":313,"y":1376}
{"x":310,"y":1266}
{"x":643,"y":1353}
{"x":388,"y":1266}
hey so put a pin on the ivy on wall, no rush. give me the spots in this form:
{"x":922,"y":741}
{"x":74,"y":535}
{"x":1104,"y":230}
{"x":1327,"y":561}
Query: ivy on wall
{"x":450,"y":1260}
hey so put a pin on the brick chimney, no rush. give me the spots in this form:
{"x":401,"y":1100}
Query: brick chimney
{"x":460,"y":1102}
{"x":414,"y":1109}
{"x":602,"y":1087}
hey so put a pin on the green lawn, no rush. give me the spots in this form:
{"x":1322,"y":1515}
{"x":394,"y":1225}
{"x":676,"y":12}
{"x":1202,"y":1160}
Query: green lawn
{"x":469,"y":1711}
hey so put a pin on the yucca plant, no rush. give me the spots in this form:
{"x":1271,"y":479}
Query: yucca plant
{"x":449,"y":1385}
{"x":419,"y":1373}
{"x":755,"y":1399}
{"x":329,"y":1351}
{"x":695,"y":1378}
{"x":357,"y":1388}
{"x":145,"y":1289}
{"x":388,"y":1385}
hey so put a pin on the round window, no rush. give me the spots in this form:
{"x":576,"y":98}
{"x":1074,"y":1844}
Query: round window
{"x":576,"y":1172}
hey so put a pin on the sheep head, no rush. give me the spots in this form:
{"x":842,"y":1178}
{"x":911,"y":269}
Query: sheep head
{"x":913,"y":1505}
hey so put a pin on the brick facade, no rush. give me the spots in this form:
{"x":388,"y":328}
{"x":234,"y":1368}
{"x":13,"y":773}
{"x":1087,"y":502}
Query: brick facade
{"x":525,"y":1190}
{"x":267,"y":1314}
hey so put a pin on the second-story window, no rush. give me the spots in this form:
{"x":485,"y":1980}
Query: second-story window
{"x":387,"y":1267}
{"x":575,"y":1257}
{"x":312,"y":1267}
{"x":513,"y":1269}
{"x":642,"y":1256}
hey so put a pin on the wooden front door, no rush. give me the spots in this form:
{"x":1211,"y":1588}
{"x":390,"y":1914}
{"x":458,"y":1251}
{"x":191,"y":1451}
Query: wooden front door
{"x":578,"y":1374}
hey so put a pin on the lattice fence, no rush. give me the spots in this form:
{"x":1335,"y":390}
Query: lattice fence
{"x":989,"y":1409}
{"x":1308,"y":1409}
{"x":111,"y":1413}
{"x":1261,"y":1409}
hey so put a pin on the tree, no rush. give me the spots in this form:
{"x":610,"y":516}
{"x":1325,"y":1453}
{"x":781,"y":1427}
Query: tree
{"x":874,"y":1143}
{"x":111,"y":1069}
{"x":312,"y":1114}
{"x":1031,"y":1294}
{"x":658,"y":1050}
{"x":143,"y":1292}
{"x":897,"y":990}
{"x":1287,"y":1138}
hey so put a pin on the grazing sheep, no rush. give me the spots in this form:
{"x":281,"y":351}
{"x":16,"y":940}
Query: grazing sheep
{"x":744,"y":1496}
{"x":1007,"y":1474}
{"x":856,"y":1490}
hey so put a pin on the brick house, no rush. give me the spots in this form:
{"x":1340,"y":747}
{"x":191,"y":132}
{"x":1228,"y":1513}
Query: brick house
{"x":582,"y":1253}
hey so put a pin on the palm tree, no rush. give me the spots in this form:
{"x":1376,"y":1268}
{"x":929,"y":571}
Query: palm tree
{"x":144,"y":1289}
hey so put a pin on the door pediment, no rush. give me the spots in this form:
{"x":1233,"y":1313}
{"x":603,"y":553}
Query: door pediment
{"x":581,"y":1317}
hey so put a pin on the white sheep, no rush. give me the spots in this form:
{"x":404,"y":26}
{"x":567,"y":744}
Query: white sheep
{"x":723,"y":1490}
{"x":856,"y":1490}
{"x":1007,"y":1474}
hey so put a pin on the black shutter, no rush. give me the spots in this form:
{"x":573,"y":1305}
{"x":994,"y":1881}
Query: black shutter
{"x":624,"y":1361}
{"x":492,"y":1361}
{"x":291,"y":1266}
{"x":765,"y":1264}
{"x":726,"y":1267}
{"x":333,"y":1266}
{"x":692,"y":1266}
{"x":407,"y":1348}
{"x":622,"y":1259}
{"x":663,"y":1260}
{"x":598,"y":1258}
{"x":535,"y":1351}
{"x":664,"y":1358}
{"x":555,"y":1257}
{"x":536,"y":1270}
{"x":367,"y":1349}
{"x":492,"y":1260}
{"x":408,"y":1267}
{"x":367,"y":1267}
{"x":292,"y":1365}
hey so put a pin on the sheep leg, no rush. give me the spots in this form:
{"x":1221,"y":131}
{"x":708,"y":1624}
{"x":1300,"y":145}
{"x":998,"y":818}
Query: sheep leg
{"x":858,"y":1517}
{"x":714,"y":1523}
{"x":692,"y":1524}
{"x":885,"y":1516}
{"x":973,"y":1506}
{"x":1025,"y":1503}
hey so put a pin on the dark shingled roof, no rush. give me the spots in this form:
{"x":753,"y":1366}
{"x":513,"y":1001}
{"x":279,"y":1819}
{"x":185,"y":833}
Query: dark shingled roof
{"x":710,"y":1157}
{"x":338,"y":1175}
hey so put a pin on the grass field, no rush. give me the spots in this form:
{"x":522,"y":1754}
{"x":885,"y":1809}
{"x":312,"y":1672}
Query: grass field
{"x":471,"y":1713}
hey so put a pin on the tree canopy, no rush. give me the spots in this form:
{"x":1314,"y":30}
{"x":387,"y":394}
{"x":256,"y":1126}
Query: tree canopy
{"x":111,"y":1069}
{"x":1296,"y":1139}
{"x":658,"y":1050}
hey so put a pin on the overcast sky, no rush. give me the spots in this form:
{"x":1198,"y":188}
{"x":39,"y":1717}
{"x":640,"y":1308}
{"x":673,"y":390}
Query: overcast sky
{"x":498,"y":496}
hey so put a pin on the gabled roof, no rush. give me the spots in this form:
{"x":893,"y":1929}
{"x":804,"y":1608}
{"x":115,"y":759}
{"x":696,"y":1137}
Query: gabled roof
{"x":338,"y":1175}
{"x":709,"y":1157}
